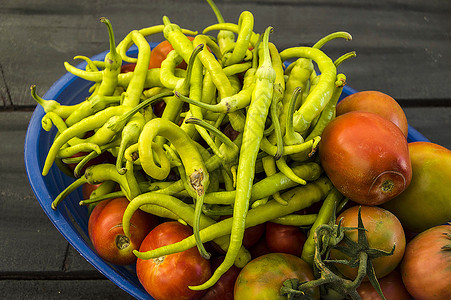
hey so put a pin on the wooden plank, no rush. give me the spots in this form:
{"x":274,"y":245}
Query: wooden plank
{"x":412,"y":36}
{"x":62,"y":289}
{"x":30,"y":242}
{"x":433,"y":122}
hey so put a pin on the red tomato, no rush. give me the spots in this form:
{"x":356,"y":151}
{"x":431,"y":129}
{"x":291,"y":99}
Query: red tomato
{"x":87,"y":189}
{"x":125,"y":68}
{"x":375,"y":102}
{"x":391,"y":285}
{"x":284,"y":238}
{"x":366,"y":157}
{"x":426,"y":202}
{"x":168,"y":277}
{"x":426,"y":266}
{"x":230,"y":132}
{"x":383,"y":231}
{"x":263,"y":276}
{"x":259,"y":248}
{"x":160,"y":52}
{"x":106,"y":233}
{"x":223,"y":288}
{"x":253,"y":234}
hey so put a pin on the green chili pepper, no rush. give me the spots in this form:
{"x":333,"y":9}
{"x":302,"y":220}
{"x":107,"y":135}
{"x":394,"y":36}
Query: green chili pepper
{"x":54,"y":106}
{"x":226,"y":39}
{"x":252,"y":135}
{"x":196,"y":171}
{"x":185,"y":211}
{"x":270,"y":168}
{"x":320,"y":96}
{"x":296,"y":220}
{"x":136,"y":85}
{"x":268,"y":186}
{"x":299,"y":198}
{"x":329,"y":111}
{"x":324,"y":216}
{"x":98,"y":174}
{"x":130,"y":135}
{"x":246,"y":27}
{"x":80,"y":128}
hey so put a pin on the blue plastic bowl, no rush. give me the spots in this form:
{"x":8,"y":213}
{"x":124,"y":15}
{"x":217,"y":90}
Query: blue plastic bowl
{"x":70,"y":218}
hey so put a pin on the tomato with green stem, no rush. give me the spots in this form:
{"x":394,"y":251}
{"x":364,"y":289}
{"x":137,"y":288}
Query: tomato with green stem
{"x":383,"y":231}
{"x":263,"y":277}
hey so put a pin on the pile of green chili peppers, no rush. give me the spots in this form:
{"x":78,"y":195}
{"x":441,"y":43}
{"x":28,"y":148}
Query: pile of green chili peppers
{"x":180,"y":164}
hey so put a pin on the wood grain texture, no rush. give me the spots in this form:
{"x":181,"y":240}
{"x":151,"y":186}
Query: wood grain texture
{"x":402,"y":46}
{"x":63,"y":290}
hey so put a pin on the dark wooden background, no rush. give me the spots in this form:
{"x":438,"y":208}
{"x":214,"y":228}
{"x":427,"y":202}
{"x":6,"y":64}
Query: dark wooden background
{"x":403,"y":49}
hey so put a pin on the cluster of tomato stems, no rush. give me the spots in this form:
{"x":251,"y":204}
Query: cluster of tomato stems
{"x":298,"y":102}
{"x":331,"y":236}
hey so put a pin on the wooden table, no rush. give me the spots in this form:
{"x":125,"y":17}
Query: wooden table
{"x":403,"y":49}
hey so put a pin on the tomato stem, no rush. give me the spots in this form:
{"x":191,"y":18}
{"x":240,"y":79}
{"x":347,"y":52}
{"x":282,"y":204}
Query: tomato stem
{"x":387,"y":186}
{"x":122,"y":242}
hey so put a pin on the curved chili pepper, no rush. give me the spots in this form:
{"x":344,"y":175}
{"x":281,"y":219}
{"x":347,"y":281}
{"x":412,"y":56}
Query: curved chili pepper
{"x":226,"y":38}
{"x":270,"y":168}
{"x":318,"y":98}
{"x":195,"y":168}
{"x":325,"y":214}
{"x":98,"y":174}
{"x":136,"y":85}
{"x":329,"y":110}
{"x":54,"y":106}
{"x":179,"y":208}
{"x":80,"y":128}
{"x":246,"y":27}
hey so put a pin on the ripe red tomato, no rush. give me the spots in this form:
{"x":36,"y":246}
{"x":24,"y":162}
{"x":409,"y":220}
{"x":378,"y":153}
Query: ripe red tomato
{"x":284,"y":238}
{"x":130,"y":67}
{"x":263,"y":276}
{"x":426,"y":202}
{"x":87,"y":189}
{"x":223,"y":288}
{"x":160,"y":52}
{"x":391,"y":285}
{"x":383,"y":231}
{"x":366,"y":157}
{"x":253,"y":234}
{"x":426,"y":266}
{"x":259,"y":248}
{"x":375,"y":102}
{"x":106,"y":233}
{"x":168,"y":277}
